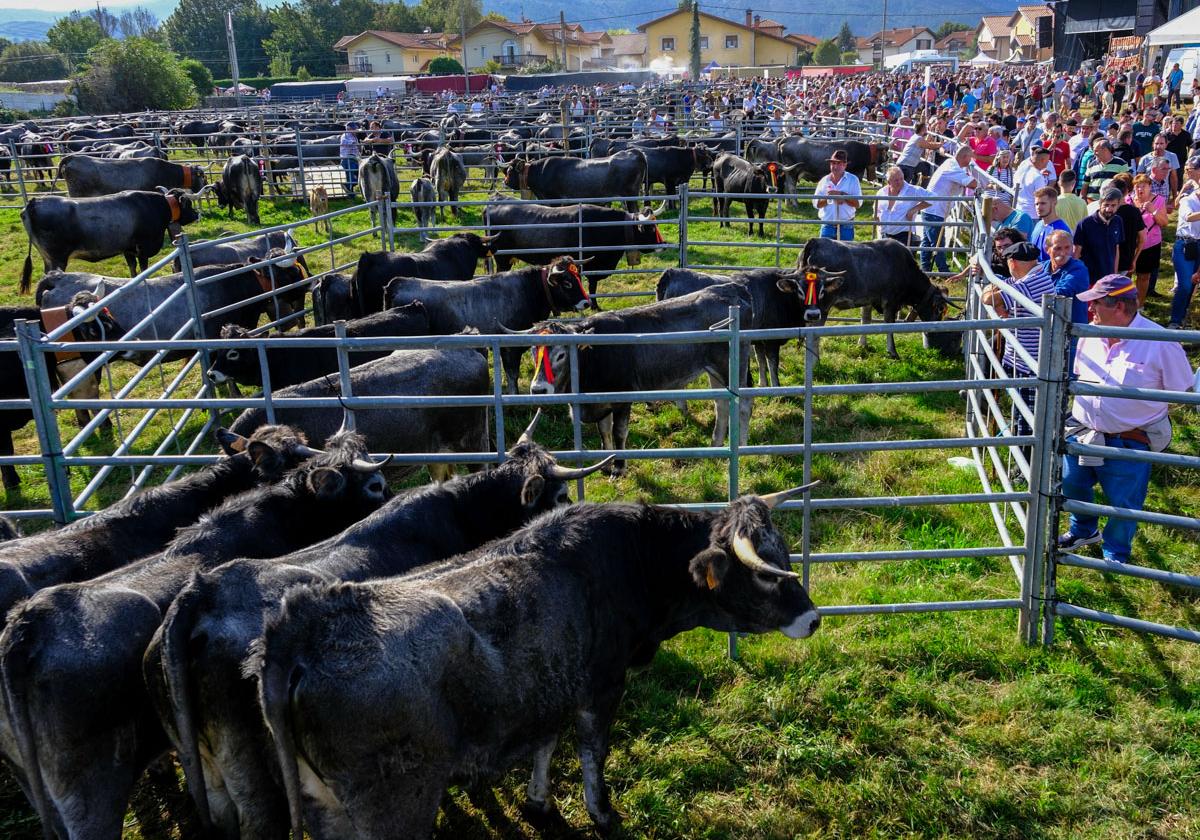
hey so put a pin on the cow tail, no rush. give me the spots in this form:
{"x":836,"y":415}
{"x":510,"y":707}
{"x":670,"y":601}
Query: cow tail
{"x":27,"y":270}
{"x":275,"y":654}
{"x":58,"y":173}
{"x":177,"y":630}
{"x":16,"y":674}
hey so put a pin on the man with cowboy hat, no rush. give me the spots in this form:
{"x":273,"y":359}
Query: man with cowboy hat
{"x":1106,"y":420}
{"x":836,"y":212}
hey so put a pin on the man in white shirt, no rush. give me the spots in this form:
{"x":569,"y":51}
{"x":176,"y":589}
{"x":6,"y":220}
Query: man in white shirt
{"x":954,"y":177}
{"x":836,"y":213}
{"x":896,"y":216}
{"x":1031,"y":176}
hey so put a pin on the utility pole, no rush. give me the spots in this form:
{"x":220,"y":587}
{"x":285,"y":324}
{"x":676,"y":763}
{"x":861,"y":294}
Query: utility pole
{"x":562,"y":25}
{"x":462,"y":26}
{"x":883,"y":29}
{"x":233,"y":61}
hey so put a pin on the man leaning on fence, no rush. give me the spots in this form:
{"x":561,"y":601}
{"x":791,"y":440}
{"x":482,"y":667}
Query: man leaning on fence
{"x":952,"y":178}
{"x":837,"y":212}
{"x":1108,"y":420}
{"x":348,"y":152}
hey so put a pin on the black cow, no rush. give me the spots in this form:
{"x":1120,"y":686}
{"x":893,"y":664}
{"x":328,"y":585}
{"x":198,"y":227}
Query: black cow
{"x":530,"y":229}
{"x":478,"y":665}
{"x":732,"y":174}
{"x":810,"y":157}
{"x":194,"y":663}
{"x":131,"y":224}
{"x":87,"y":177}
{"x":452,"y":258}
{"x":423,"y":196}
{"x":240,"y":187}
{"x":622,"y":174}
{"x":72,"y":654}
{"x":675,"y":165}
{"x":448,"y":175}
{"x":102,"y":327}
{"x":882,"y":275}
{"x":376,"y":179}
{"x":512,"y":300}
{"x":293,"y":365}
{"x":37,"y":157}
{"x":641,"y":367}
{"x":197,"y":132}
{"x":781,"y":298}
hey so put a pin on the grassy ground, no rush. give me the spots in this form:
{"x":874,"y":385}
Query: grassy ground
{"x":897,"y":726}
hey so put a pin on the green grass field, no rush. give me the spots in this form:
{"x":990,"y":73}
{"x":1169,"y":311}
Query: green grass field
{"x":880,"y":726}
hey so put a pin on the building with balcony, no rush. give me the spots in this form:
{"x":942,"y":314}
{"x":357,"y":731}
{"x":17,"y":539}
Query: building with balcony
{"x":379,"y":53}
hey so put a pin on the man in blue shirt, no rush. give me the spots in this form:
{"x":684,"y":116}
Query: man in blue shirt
{"x":1098,"y":235}
{"x":1174,"y":84}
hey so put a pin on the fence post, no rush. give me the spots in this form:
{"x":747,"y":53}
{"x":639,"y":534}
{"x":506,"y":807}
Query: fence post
{"x":189,"y":280}
{"x":683,"y":225}
{"x":16,"y":159}
{"x":1056,"y":376}
{"x":300,"y":165}
{"x":734,"y":385}
{"x":383,"y":222}
{"x":1048,"y":420}
{"x":339,"y":330}
{"x":37,"y":381}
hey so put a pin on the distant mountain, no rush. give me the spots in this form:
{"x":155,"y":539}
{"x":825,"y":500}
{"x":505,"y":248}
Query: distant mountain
{"x":24,"y":30}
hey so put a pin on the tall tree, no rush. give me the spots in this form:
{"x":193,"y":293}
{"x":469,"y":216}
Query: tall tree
{"x":395,"y":17}
{"x":31,"y":61}
{"x":138,"y":22}
{"x":827,"y":53}
{"x":307,"y":30}
{"x":133,"y":75}
{"x":196,"y":29}
{"x":447,"y":15}
{"x":694,"y":43}
{"x":845,"y":38}
{"x":74,"y":35}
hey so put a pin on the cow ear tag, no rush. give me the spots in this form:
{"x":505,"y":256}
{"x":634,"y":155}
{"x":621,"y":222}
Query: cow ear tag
{"x":710,"y":578}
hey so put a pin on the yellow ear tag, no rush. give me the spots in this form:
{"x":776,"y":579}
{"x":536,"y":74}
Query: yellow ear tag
{"x":712,"y":581}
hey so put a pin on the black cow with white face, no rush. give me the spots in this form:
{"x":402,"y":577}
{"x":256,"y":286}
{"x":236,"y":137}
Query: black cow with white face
{"x":477,"y":665}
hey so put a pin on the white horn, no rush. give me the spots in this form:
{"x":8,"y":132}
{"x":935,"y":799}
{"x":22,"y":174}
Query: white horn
{"x":744,"y":550}
{"x":774,"y":500}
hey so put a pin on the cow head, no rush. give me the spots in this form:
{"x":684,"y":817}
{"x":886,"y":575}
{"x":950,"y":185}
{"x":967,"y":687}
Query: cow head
{"x":274,"y":450}
{"x":771,"y":174}
{"x":807,"y":285}
{"x":333,"y":299}
{"x":221,"y":194}
{"x":562,"y":283}
{"x":182,"y":208}
{"x":342,"y":477}
{"x":515,"y":175}
{"x":280,"y":269}
{"x":102,"y":326}
{"x":543,"y":483}
{"x":646,"y":232}
{"x":745,"y":574}
{"x":235,"y":364}
{"x":933,"y":307}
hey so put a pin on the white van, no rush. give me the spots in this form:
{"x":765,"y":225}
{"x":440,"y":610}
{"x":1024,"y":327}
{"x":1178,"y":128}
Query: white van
{"x":1188,"y":59}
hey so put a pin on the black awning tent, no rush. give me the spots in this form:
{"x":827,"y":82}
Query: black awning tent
{"x":1084,"y":16}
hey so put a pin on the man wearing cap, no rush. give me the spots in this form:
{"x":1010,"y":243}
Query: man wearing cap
{"x":836,"y":212}
{"x":952,"y":178}
{"x":1033,"y":281}
{"x":1106,"y":420}
{"x":1099,"y":235}
{"x":1031,"y":176}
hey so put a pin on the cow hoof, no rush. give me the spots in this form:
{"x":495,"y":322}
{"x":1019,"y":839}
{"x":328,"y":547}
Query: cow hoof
{"x":607,"y":823}
{"x":541,"y":815}
{"x":614,"y":470}
{"x":13,"y":483}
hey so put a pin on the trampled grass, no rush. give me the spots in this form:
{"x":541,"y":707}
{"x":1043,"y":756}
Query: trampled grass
{"x":930,"y":726}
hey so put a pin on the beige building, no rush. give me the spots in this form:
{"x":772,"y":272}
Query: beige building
{"x":1014,"y":37}
{"x":514,"y":45}
{"x":379,"y":53}
{"x":894,"y":42}
{"x":754,"y":43}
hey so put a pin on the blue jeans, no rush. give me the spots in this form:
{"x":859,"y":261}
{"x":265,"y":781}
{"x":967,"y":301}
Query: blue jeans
{"x":932,"y":238}
{"x":843,"y":232}
{"x":1124,"y":484}
{"x":1184,"y":269}
{"x":350,"y":165}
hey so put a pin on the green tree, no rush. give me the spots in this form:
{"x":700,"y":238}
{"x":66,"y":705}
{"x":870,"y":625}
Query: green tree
{"x":949,"y":26}
{"x":74,"y":35}
{"x":196,"y":29}
{"x":302,"y":74}
{"x":202,"y":80}
{"x":446,"y":15}
{"x":694,"y":42}
{"x":4,"y":44}
{"x":845,"y":38}
{"x":444,"y":65}
{"x":849,"y":57}
{"x":133,"y":75}
{"x":827,"y":53}
{"x":31,"y":61}
{"x":394,"y":17}
{"x":281,"y":64}
{"x":139,"y":22}
{"x":804,"y":57}
{"x":307,"y":29}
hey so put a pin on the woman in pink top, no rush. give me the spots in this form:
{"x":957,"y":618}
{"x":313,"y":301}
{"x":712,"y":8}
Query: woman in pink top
{"x":1154,"y":215}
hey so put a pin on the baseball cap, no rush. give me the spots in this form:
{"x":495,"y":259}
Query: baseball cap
{"x":1023,"y":252}
{"x":1114,"y":286}
{"x":1111,"y":194}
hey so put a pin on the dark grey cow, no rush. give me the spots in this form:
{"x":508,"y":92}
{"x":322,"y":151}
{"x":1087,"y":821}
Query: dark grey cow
{"x":407,"y":373}
{"x":194,"y":663}
{"x":622,"y":174}
{"x":293,"y":365}
{"x":448,"y":174}
{"x":71,"y":655}
{"x":58,"y":289}
{"x":242,"y":250}
{"x":781,"y":298}
{"x":511,"y":300}
{"x":240,"y":187}
{"x":675,"y":165}
{"x":484,"y":157}
{"x":422,"y":193}
{"x":376,"y":179}
{"x":644,"y":367}
{"x":379,"y":695}
{"x":87,"y":177}
{"x":882,"y":275}
{"x":452,"y":258}
{"x":131,"y":224}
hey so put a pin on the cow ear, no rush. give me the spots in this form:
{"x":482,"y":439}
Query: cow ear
{"x":532,"y":490}
{"x":787,"y":285}
{"x":326,"y":482}
{"x":230,"y":443}
{"x":709,"y":567}
{"x":264,"y":456}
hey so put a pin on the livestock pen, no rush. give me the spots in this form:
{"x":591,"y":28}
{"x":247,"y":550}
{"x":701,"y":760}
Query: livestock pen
{"x":900,"y":726}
